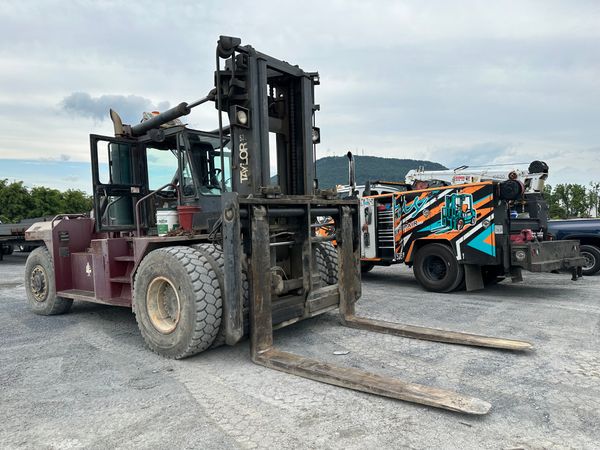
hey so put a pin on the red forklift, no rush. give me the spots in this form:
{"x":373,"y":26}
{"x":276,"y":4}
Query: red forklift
{"x":245,"y":259}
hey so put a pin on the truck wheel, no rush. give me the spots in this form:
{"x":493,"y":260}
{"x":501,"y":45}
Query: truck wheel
{"x":436,"y":268}
{"x":592,"y":259}
{"x":215,"y":257}
{"x":177,"y":301}
{"x":40,"y":285}
{"x":327,"y":262}
{"x":366,"y":266}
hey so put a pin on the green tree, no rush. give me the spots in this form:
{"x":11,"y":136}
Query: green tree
{"x":579,"y":200}
{"x":76,"y":201}
{"x":15,"y":201}
{"x":573,"y":199}
{"x":46,"y":202}
{"x":555,"y":210}
{"x":594,"y":199}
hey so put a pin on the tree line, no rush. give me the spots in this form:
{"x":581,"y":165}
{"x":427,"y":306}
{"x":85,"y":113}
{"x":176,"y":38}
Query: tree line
{"x":570,"y":200}
{"x":18,"y":202}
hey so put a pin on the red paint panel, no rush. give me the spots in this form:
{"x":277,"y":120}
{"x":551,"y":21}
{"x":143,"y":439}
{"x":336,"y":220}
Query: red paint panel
{"x":81,"y":270}
{"x":68,"y":236}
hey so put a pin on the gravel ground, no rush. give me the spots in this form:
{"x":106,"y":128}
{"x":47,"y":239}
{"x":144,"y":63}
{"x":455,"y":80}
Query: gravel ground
{"x":85,"y":379}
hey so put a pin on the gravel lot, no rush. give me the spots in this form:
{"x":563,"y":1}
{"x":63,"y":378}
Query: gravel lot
{"x":85,"y":379}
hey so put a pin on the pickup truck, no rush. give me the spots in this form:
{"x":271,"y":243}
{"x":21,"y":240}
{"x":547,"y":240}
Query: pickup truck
{"x":587,"y":231}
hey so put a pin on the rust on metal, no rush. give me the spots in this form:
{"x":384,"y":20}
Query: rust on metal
{"x":163,"y":304}
{"x":433,"y":334}
{"x":371,"y":383}
{"x":261,"y":331}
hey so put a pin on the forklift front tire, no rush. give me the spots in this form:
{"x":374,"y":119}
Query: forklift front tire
{"x":40,"y":285}
{"x":436,"y":268}
{"x":177,"y":301}
{"x":217,"y":260}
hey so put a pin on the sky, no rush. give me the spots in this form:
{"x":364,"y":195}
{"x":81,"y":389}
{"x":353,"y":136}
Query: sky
{"x":462,"y":82}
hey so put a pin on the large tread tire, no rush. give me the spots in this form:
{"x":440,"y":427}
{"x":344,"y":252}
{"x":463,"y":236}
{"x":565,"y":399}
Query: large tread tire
{"x":216,"y":258}
{"x":327,"y":262}
{"x":40,"y":285}
{"x":592,"y":255}
{"x":191,"y":276}
{"x":432,"y":257}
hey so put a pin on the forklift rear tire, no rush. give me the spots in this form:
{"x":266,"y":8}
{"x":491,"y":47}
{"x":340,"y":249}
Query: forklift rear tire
{"x":40,"y":285}
{"x":327,"y":262}
{"x":591,"y":254}
{"x":177,"y":301}
{"x":436,"y":268}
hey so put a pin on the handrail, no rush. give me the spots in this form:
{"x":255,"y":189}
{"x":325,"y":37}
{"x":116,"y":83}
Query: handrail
{"x":137,"y":204}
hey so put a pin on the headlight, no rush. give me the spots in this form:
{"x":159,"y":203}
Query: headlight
{"x":242,"y":117}
{"x":316,"y":135}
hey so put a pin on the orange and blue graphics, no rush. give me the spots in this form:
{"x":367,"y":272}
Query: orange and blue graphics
{"x":461,"y":216}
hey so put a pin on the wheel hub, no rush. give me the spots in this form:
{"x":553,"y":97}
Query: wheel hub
{"x":589,"y":260}
{"x":163,"y":305}
{"x":435,"y":268}
{"x":38,"y":282}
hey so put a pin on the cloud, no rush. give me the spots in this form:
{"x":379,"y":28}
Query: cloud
{"x":129,"y":107}
{"x":62,"y":157}
{"x":465,"y":82}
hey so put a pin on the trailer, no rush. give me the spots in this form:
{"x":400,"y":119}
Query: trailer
{"x":12,"y":236}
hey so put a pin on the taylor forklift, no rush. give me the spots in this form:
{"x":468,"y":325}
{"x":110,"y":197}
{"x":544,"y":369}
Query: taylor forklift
{"x":249,"y":260}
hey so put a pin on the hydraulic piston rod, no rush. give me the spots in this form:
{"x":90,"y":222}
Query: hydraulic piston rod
{"x":183,"y":109}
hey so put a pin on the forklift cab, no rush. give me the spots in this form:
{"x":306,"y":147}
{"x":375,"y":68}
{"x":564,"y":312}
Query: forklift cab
{"x":186,"y":167}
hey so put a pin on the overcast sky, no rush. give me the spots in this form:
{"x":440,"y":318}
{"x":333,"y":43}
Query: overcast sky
{"x":461,"y":82}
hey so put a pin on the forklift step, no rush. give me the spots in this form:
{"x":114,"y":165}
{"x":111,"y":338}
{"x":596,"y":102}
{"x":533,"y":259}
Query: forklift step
{"x":125,"y":258}
{"x":77,"y":294}
{"x":124,"y":280}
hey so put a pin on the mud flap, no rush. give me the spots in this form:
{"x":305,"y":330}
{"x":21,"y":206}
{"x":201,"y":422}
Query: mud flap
{"x":473,"y":277}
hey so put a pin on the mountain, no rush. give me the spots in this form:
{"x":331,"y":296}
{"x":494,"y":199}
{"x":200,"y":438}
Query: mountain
{"x":333,"y":170}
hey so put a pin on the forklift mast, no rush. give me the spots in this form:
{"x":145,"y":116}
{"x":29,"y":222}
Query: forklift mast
{"x":267,"y":102}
